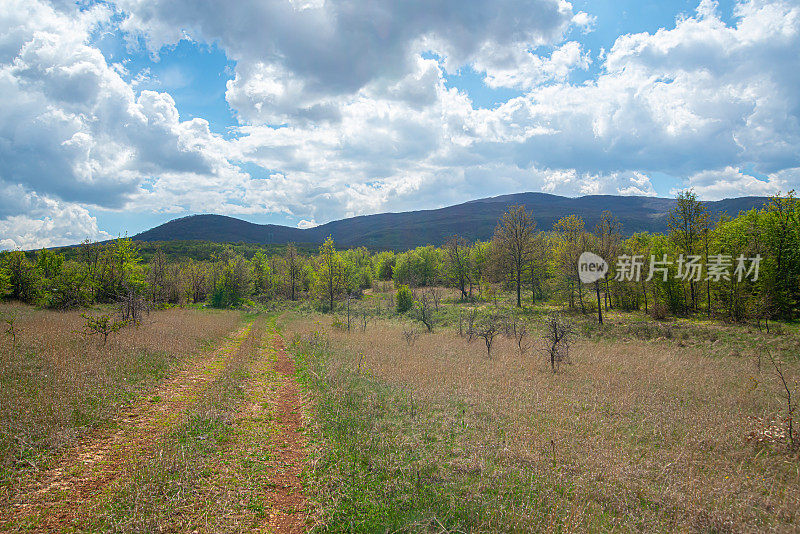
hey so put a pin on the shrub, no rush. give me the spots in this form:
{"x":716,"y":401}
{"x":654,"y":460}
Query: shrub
{"x":658,"y":311}
{"x":405,"y":300}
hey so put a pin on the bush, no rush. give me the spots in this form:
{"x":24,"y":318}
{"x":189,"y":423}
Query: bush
{"x":658,"y":311}
{"x":405,"y":300}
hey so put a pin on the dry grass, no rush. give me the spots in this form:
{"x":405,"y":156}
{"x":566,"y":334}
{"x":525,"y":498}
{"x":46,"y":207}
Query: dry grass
{"x":634,"y":435}
{"x":57,"y":383}
{"x":222,"y":468}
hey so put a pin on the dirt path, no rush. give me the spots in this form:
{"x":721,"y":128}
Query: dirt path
{"x":288,"y":500}
{"x":55,"y":499}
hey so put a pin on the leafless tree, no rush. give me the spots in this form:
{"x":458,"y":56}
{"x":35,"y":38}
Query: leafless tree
{"x":559,"y":332}
{"x":488,"y":331}
{"x":132,"y":306}
{"x":410,"y":334}
{"x":519,"y":331}
{"x":458,"y":263}
{"x":349,"y":299}
{"x":471,"y":317}
{"x":12,"y":329}
{"x":293,"y":269}
{"x":425,"y":311}
{"x":436,"y":297}
{"x":791,"y":405}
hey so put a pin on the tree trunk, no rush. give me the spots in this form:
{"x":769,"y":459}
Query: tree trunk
{"x":599,"y":304}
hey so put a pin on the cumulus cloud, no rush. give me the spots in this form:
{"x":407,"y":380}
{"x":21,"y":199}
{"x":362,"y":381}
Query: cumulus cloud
{"x":29,"y":220}
{"x":346,"y":109}
{"x":293,"y":59}
{"x":715,"y":184}
{"x":74,"y":132}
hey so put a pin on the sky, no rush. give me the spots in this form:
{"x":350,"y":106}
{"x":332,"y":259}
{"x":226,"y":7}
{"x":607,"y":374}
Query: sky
{"x":121,"y":115}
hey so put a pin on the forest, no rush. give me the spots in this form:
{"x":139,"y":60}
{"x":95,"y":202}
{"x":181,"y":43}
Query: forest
{"x":535,"y":266}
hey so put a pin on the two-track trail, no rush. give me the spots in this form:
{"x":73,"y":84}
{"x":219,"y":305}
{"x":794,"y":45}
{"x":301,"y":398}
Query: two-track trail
{"x":253,"y":478}
{"x":288,"y":499}
{"x":54,"y":500}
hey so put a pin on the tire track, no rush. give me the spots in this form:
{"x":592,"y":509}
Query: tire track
{"x":288,"y":500}
{"x":57,"y":498}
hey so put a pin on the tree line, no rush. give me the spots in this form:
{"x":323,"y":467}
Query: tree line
{"x":694,"y":269}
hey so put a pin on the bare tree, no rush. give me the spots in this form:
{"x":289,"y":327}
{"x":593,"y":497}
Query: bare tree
{"x":293,"y":268}
{"x":558,"y":336}
{"x":12,"y":329}
{"x":436,"y":297}
{"x":410,"y":334}
{"x":518,"y":330}
{"x":132,"y":305}
{"x":473,"y":315}
{"x":513,"y":239}
{"x":488,"y":331}
{"x":424,"y":311}
{"x":791,"y":405}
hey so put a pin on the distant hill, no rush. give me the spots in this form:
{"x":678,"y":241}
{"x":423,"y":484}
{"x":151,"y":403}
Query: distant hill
{"x":474,"y":220}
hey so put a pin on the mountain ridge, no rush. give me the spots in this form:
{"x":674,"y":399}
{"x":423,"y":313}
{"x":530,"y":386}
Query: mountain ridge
{"x":474,"y":219}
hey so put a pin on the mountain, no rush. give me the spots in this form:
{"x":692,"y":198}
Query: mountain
{"x":474,"y":220}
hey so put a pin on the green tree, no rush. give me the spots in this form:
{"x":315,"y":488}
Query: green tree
{"x":5,"y":284}
{"x":480,"y":257}
{"x":608,"y":236}
{"x":459,"y":268}
{"x":49,"y":263}
{"x":404,"y":299}
{"x":513,"y":238}
{"x":781,"y":228}
{"x":262,"y":275}
{"x":23,"y":279}
{"x":384,"y":265}
{"x":233,"y":282}
{"x":687,"y":222}
{"x":70,"y":287}
{"x":331,"y":279}
{"x":571,"y":242}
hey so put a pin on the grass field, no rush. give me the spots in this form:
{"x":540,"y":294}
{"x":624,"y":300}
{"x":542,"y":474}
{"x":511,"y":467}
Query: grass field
{"x":652,"y":426}
{"x":225,"y":421}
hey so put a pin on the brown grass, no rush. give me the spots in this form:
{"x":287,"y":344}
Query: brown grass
{"x":57,"y":383}
{"x":648,"y":434}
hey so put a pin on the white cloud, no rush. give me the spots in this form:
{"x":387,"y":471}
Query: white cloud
{"x":42,"y":222}
{"x":347,"y":114}
{"x":729,"y":182}
{"x":294,"y":59}
{"x":584,"y":21}
{"x":521,"y":69}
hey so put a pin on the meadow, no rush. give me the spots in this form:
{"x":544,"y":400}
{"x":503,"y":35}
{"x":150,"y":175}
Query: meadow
{"x":656,"y":426}
{"x":288,"y":420}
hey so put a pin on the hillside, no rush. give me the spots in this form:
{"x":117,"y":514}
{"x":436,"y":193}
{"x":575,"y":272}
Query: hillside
{"x":474,"y":220}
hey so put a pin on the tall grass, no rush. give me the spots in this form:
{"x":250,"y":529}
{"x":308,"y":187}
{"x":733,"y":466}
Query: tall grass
{"x":210,"y":472}
{"x":634,"y":435}
{"x":56,"y":384}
